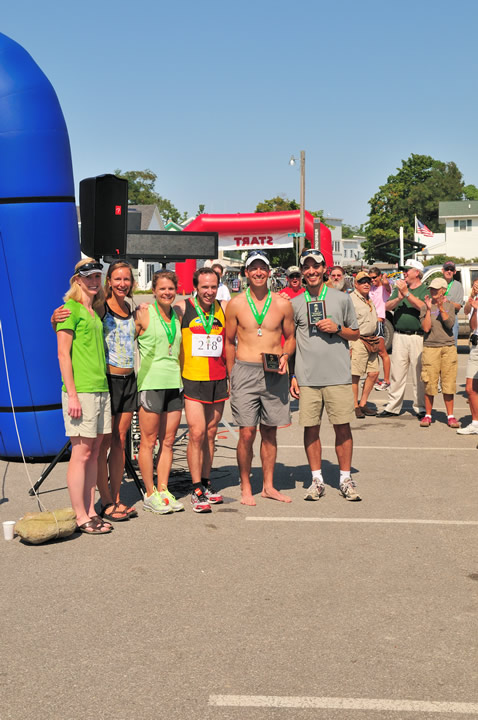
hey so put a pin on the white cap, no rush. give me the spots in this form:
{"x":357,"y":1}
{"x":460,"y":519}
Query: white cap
{"x":413,"y":264}
{"x":257,"y":255}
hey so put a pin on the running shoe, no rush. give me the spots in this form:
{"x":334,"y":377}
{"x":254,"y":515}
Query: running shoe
{"x":156,"y":504}
{"x":468,"y":430}
{"x":453,"y":422}
{"x":315,"y":491}
{"x":199,"y":501}
{"x":426,"y":421}
{"x":174,"y":504}
{"x":214,"y":497}
{"x":381,"y":385}
{"x":348,"y":488}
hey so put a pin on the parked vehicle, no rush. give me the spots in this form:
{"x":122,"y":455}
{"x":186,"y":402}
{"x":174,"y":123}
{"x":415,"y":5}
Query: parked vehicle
{"x":466,"y":274}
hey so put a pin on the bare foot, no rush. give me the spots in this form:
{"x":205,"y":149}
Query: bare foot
{"x":247,"y":499}
{"x":274,"y":494}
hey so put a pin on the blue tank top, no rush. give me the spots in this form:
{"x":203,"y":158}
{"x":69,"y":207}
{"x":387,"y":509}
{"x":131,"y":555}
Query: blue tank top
{"x":118,"y":333}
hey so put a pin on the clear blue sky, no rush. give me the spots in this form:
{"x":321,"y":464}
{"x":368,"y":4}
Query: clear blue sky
{"x":214,"y":97}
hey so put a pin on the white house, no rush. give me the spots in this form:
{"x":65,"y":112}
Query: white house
{"x":461,"y":228}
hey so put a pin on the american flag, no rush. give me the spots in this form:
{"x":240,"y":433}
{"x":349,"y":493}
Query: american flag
{"x":423,"y":230}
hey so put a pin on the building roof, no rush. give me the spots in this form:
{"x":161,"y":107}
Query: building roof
{"x":457,"y":209}
{"x":147,"y":212}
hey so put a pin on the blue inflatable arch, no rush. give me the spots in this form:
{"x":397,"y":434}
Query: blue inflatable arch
{"x":39,"y":247}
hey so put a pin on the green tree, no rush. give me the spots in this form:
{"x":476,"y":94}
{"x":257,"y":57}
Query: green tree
{"x":348,"y":231}
{"x":470,"y":192}
{"x":416,"y":189}
{"x":141,"y":192}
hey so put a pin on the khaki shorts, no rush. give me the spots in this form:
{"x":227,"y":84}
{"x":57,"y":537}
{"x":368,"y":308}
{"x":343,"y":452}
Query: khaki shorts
{"x":439,"y":362}
{"x":338,"y":401}
{"x":472,"y":365}
{"x":95,"y":416}
{"x":258,"y":396}
{"x":362,"y":361}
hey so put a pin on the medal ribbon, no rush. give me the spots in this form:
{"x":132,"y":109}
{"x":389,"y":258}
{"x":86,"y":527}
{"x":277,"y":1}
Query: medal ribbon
{"x":322,"y":295}
{"x":207,"y":324}
{"x":448,"y":288}
{"x":170,"y":330}
{"x":259,"y":318}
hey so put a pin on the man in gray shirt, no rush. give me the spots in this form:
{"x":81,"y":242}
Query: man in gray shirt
{"x":322,"y":376}
{"x":454,"y":293}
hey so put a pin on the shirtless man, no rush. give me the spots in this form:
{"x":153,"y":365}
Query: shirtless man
{"x":258,"y":318}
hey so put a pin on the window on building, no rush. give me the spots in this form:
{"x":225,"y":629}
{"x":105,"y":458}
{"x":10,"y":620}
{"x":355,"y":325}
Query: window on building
{"x":149,"y":272}
{"x":461,"y":225}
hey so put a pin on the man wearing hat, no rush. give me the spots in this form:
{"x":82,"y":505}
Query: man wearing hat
{"x":320,"y":372}
{"x":364,"y":351}
{"x":439,"y":357}
{"x":294,"y":283}
{"x":454,"y":292}
{"x":406,"y":300}
{"x":257,"y":319}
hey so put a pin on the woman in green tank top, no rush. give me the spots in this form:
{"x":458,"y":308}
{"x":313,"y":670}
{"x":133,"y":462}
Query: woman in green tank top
{"x":159,"y":390}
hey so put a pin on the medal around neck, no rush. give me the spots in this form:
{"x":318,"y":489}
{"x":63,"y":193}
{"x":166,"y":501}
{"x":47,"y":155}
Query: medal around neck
{"x":271,"y":362}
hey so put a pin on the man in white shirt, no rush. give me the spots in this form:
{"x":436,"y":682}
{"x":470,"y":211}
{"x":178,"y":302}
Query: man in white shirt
{"x":222,"y":291}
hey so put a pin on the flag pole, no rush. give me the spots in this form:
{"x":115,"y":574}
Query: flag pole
{"x":402,"y":258}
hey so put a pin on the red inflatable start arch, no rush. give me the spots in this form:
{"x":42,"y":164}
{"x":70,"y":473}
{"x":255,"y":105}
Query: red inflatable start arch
{"x":246,"y":231}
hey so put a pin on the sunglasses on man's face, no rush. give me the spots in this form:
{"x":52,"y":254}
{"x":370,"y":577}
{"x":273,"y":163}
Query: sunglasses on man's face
{"x":373,"y":277}
{"x":364,"y":281}
{"x":295,"y":276}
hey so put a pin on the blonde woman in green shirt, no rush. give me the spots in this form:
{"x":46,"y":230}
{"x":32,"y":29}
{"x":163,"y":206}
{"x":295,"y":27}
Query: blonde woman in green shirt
{"x":85,"y":396}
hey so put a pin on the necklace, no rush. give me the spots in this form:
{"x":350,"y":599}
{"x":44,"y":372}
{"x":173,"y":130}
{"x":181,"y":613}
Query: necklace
{"x":170,"y":330}
{"x":322,"y":294}
{"x":206,"y":323}
{"x":259,"y":317}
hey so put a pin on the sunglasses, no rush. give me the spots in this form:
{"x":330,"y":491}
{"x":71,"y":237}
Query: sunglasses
{"x":363,"y":281}
{"x":256,"y":253}
{"x":294,"y":275}
{"x":373,"y":277}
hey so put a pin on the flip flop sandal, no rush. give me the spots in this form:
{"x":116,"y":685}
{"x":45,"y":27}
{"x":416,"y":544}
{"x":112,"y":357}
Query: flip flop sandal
{"x":92,"y":528}
{"x":100,"y":522}
{"x":110,"y":516}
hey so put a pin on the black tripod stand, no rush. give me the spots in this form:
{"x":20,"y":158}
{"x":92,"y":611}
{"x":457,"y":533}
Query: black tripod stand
{"x":131,"y":472}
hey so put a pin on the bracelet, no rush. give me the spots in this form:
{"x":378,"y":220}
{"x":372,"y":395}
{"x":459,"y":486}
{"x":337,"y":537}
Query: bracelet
{"x":281,"y":356}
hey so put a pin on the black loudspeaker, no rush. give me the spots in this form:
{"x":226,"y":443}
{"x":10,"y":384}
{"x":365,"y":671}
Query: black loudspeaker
{"x":104,"y":215}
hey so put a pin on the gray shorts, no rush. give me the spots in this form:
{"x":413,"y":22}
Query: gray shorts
{"x":160,"y":401}
{"x":258,"y":396}
{"x":472,"y":365}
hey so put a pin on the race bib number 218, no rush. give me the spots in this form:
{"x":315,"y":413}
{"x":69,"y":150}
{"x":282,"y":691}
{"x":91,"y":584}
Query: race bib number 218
{"x":206,"y":345}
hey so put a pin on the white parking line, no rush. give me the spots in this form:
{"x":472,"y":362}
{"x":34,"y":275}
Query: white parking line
{"x":384,"y":521}
{"x":387,"y":447}
{"x":334,"y":703}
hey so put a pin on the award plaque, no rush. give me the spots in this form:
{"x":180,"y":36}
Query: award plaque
{"x":271,"y":362}
{"x":316,"y":311}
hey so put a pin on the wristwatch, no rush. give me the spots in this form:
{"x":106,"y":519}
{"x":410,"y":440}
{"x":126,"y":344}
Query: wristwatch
{"x":339,"y":329}
{"x":408,"y":294}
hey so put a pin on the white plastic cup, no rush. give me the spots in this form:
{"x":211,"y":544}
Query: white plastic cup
{"x":8,"y":529}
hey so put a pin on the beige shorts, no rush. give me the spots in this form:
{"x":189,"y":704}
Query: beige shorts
{"x":362,"y":361}
{"x":95,"y":416}
{"x":439,"y":362}
{"x":338,"y":401}
{"x":472,"y":365}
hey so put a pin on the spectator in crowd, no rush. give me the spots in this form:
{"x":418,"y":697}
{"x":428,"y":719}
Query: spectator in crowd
{"x":406,"y":300}
{"x":320,"y":373}
{"x":294,"y":283}
{"x":364,"y":351}
{"x":337,"y":278}
{"x":222,"y":291}
{"x":471,"y":309}
{"x":439,"y":357}
{"x":454,"y":292}
{"x":380,"y":292}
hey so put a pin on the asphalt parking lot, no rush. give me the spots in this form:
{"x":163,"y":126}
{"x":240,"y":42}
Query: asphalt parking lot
{"x":324,"y":610}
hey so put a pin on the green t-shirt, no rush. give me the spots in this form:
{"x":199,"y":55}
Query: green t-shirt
{"x":87,"y":349}
{"x":405,"y":316}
